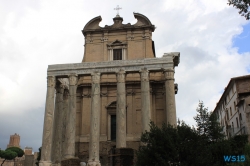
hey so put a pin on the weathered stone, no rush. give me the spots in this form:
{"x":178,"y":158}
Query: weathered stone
{"x":71,"y":162}
{"x":95,"y":121}
{"x":170,"y":97}
{"x":121,"y":110}
{"x":122,"y":157}
{"x":145,"y":100}
{"x":58,"y":123}
{"x":48,"y":123}
{"x":70,"y":119}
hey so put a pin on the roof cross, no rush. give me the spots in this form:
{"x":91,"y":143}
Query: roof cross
{"x":117,"y":8}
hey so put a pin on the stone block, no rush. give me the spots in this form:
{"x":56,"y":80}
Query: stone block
{"x":71,"y":162}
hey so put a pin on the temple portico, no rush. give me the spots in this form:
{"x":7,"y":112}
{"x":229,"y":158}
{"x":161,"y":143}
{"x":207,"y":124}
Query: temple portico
{"x":57,"y":73}
{"x":97,"y":110}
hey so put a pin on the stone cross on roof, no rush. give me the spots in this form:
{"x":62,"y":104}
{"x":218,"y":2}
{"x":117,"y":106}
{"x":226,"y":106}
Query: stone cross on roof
{"x":117,"y":8}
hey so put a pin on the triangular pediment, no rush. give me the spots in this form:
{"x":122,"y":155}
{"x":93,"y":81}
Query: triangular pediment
{"x":117,"y":42}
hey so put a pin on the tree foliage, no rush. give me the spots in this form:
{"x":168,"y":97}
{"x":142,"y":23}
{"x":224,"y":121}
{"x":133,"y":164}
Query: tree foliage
{"x":11,"y":153}
{"x":182,"y":145}
{"x":243,"y":6}
{"x":19,"y":151}
{"x":8,"y":155}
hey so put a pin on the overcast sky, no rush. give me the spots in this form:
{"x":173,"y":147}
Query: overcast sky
{"x":211,"y":36}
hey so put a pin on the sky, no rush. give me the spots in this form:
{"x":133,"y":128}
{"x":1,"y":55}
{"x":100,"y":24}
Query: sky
{"x":212,"y":38}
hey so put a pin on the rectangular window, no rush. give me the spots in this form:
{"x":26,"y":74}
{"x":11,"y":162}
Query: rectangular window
{"x":113,"y":127}
{"x":117,"y":54}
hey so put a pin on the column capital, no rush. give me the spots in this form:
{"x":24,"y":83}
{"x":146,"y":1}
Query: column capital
{"x":73,"y":79}
{"x":120,"y":75}
{"x":51,"y":81}
{"x":169,"y":74}
{"x":96,"y":77}
{"x":144,"y":73}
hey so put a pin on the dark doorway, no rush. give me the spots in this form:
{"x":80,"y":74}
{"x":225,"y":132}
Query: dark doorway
{"x":113,"y":127}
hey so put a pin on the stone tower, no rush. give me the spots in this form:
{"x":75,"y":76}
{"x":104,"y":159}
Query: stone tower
{"x":14,"y":141}
{"x":103,"y":104}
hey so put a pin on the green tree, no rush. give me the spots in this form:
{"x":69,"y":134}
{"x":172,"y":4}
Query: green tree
{"x":202,"y":120}
{"x":185,"y":146}
{"x":243,"y":6}
{"x":11,"y":153}
{"x":214,"y":129}
{"x":8,"y":155}
{"x":160,"y":146}
{"x":19,"y":151}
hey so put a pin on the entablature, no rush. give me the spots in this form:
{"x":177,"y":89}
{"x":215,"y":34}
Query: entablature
{"x":130,"y":66}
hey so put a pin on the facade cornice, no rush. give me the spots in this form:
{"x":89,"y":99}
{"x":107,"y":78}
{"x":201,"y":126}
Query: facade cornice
{"x":86,"y":68}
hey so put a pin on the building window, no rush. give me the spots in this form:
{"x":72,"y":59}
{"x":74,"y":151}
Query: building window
{"x":230,"y":111}
{"x":117,"y":54}
{"x":113,"y":127}
{"x":227,"y":115}
{"x":233,"y":126}
{"x":117,"y":50}
{"x":240,"y":117}
{"x":237,"y":122}
{"x":234,"y":106}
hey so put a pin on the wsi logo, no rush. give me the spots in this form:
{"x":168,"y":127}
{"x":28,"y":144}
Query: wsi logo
{"x":239,"y":158}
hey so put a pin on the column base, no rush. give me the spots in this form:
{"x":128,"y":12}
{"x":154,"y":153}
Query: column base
{"x":45,"y":163}
{"x":94,"y":163}
{"x":71,"y":162}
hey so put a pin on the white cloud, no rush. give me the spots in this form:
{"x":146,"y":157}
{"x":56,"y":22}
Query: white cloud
{"x":34,"y":34}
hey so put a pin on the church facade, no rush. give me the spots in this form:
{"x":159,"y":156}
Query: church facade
{"x":109,"y":99}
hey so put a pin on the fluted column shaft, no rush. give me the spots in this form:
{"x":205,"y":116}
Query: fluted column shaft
{"x":48,"y":123}
{"x":71,"y":119}
{"x":121,"y":110}
{"x":170,"y":97}
{"x":95,"y":121}
{"x":145,"y":100}
{"x":58,"y":120}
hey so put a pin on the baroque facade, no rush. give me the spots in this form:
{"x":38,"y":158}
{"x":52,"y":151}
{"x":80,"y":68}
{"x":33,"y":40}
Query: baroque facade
{"x":109,"y":99}
{"x":233,"y":108}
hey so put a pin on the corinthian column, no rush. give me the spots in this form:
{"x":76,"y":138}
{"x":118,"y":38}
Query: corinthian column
{"x":170,"y":97}
{"x":95,"y":121}
{"x":145,"y":100}
{"x":121,"y":110}
{"x":71,"y":120}
{"x":48,"y":123}
{"x":58,"y":120}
